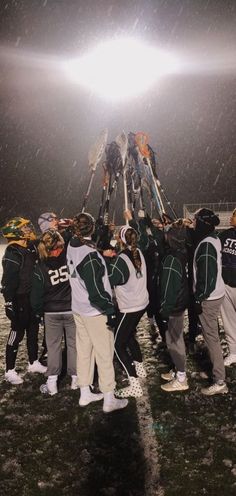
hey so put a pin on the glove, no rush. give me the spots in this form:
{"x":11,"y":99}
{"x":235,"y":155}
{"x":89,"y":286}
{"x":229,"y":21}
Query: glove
{"x":198,"y":307}
{"x":111,"y":321}
{"x":9,"y":310}
{"x":141,"y":214}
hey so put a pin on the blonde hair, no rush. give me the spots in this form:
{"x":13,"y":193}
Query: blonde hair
{"x":49,"y":240}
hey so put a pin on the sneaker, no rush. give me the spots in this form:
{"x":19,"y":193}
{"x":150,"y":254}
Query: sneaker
{"x":216,"y":388}
{"x":175,"y":385}
{"x":230,"y":359}
{"x":36,"y":366}
{"x":134,"y":389}
{"x":140,"y":370}
{"x":13,"y":377}
{"x":74,"y":382}
{"x":50,"y":387}
{"x":111,"y":403}
{"x":169,"y":376}
{"x":89,"y":397}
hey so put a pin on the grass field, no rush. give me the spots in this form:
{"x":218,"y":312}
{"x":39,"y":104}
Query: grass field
{"x":50,"y":446}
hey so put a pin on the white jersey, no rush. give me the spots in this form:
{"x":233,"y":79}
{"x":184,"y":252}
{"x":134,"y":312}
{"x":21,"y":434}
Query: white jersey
{"x":133,"y":295}
{"x":80,"y":293}
{"x":219,"y":290}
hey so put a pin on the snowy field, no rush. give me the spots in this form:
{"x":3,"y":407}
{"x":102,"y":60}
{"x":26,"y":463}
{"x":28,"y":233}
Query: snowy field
{"x":160,"y":445}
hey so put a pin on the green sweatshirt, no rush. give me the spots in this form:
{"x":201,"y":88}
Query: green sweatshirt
{"x":170,"y":281}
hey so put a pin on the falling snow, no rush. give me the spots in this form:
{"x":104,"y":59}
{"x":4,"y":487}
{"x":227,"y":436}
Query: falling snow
{"x":49,"y":124}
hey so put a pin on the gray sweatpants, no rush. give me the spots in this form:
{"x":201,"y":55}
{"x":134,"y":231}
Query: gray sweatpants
{"x":175,"y":341}
{"x":208,"y":319}
{"x":55,"y":325}
{"x":228,"y":313}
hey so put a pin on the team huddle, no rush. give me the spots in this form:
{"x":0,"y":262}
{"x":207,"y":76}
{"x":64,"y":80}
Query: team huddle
{"x":89,"y":286}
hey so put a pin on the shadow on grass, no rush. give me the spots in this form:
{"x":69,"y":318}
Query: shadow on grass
{"x":50,"y":446}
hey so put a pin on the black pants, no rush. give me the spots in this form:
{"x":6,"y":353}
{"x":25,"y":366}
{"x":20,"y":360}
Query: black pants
{"x":127,"y":348}
{"x":23,"y":321}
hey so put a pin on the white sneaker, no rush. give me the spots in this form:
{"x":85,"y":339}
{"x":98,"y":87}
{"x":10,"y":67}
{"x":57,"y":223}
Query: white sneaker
{"x":36,"y":366}
{"x":175,"y":385}
{"x":134,"y":389}
{"x":13,"y":377}
{"x":216,"y":388}
{"x":140,"y":370}
{"x":74,"y":382}
{"x":50,"y":387}
{"x":111,"y":403}
{"x":86,"y":396}
{"x":168,"y":376}
{"x":230,"y":359}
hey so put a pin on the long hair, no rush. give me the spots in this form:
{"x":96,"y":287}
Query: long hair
{"x":49,"y":241}
{"x":83,"y":225}
{"x":130,"y":238}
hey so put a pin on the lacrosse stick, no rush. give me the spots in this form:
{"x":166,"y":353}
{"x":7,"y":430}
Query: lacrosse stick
{"x":122,"y":142}
{"x":94,"y":157}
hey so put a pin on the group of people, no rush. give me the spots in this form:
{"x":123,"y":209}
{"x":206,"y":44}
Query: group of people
{"x":93,"y":291}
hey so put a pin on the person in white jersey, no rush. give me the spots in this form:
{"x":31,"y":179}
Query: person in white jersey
{"x":94,"y":315}
{"x":128,"y":277}
{"x":209,"y":291}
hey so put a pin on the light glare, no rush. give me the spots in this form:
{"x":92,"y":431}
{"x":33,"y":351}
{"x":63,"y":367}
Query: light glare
{"x":121,"y":69}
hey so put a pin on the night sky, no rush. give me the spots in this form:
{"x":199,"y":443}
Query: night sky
{"x":48,"y":124}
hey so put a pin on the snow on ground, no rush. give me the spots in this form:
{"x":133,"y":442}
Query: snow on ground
{"x":162,"y":444}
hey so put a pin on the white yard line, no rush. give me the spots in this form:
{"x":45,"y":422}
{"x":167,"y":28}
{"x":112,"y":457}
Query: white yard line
{"x":147,"y":432}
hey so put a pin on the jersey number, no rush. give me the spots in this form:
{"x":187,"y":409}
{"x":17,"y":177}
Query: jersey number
{"x":60,"y":275}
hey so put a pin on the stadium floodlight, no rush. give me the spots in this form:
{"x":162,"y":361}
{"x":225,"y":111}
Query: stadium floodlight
{"x":121,"y":68}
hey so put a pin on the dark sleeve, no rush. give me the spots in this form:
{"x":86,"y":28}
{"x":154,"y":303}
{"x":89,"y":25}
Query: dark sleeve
{"x":37,"y":292}
{"x":12,"y":261}
{"x":118,"y":271}
{"x":206,"y":276}
{"x":92,"y":270}
{"x":171,"y":278}
{"x":141,"y":228}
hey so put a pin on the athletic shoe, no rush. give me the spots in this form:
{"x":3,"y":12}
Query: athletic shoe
{"x":111,"y":403}
{"x":168,"y":376}
{"x":89,"y":397}
{"x":36,"y":366}
{"x":13,"y":377}
{"x":140,"y":370}
{"x":175,"y":385}
{"x":50,"y":387}
{"x":134,"y":389}
{"x":216,"y":388}
{"x":230,"y":360}
{"x":74,"y":382}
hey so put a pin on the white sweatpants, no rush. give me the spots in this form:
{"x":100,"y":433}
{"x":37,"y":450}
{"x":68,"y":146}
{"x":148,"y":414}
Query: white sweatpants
{"x":94,"y":343}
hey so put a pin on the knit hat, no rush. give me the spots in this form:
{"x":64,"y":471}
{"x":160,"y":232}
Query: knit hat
{"x":45,"y":219}
{"x":207,"y":216}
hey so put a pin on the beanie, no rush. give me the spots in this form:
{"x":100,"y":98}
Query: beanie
{"x":45,"y":219}
{"x":207,"y":216}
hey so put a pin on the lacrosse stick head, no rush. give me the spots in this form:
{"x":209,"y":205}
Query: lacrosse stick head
{"x":97,"y":149}
{"x":122,"y":142}
{"x":141,"y":140}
